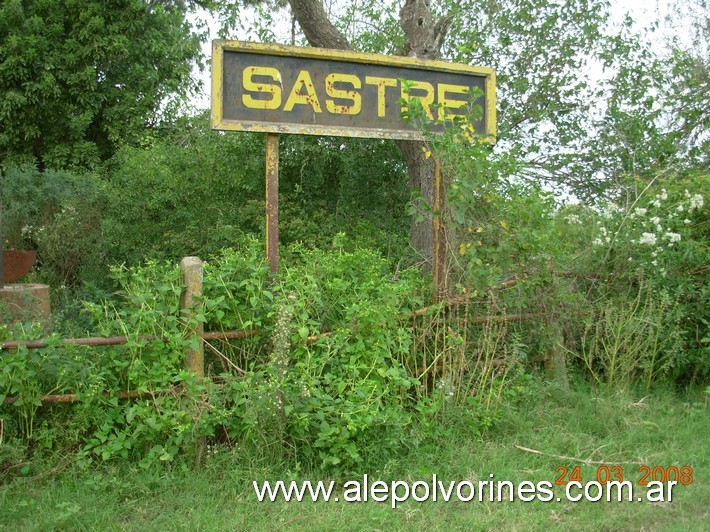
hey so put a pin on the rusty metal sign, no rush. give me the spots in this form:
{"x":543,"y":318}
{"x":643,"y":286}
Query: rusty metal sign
{"x":285,"y":89}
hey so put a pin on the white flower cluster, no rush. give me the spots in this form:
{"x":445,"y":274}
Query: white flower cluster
{"x":268,"y":399}
{"x":648,"y":239}
{"x":211,"y":450}
{"x":655,"y":220}
{"x":654,"y":226}
{"x":603,"y":238}
{"x":305,"y":391}
{"x":672,"y":238}
{"x":649,"y":225}
{"x":662,"y":196}
{"x":28,"y":233}
{"x":696,"y":203}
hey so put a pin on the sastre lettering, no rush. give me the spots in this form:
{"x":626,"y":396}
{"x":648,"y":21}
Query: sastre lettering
{"x":263,"y":88}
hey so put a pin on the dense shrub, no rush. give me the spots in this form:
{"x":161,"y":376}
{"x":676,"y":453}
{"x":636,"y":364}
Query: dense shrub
{"x":192,"y":191}
{"x":58,"y":214}
{"x":655,"y":246}
{"x":333,"y":376}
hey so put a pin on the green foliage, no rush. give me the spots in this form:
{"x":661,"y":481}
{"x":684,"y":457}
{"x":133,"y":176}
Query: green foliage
{"x":80,"y":77}
{"x":196,"y":191}
{"x":338,"y":372}
{"x":327,"y":380}
{"x":58,"y":214}
{"x":193,"y":192}
{"x":645,"y":320}
{"x":157,"y":426}
{"x":342,"y":396}
{"x":624,"y":341}
{"x":347,"y":389}
{"x":148,"y":368}
{"x":182,"y":196}
{"x":659,"y":240}
{"x":335,"y":368}
{"x":614,"y":427}
{"x":689,"y":75}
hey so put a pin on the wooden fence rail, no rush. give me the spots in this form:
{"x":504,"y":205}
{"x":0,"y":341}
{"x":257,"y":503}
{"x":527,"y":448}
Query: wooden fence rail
{"x":194,"y":359}
{"x":122,"y":340}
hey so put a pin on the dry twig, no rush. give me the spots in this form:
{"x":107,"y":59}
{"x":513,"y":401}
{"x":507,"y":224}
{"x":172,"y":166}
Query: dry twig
{"x":581,"y":460}
{"x":224,"y":357}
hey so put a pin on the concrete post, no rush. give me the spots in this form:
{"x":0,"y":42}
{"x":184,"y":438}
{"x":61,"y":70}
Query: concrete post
{"x":194,"y":358}
{"x":192,"y":277}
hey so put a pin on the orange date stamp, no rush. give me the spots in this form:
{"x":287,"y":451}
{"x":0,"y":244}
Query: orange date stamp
{"x":681,"y":475}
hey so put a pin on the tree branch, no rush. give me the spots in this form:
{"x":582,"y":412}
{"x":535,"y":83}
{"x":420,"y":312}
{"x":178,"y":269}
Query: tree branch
{"x":425,"y":36}
{"x":317,"y":27}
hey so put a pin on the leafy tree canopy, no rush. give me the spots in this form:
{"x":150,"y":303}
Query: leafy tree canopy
{"x":583,"y":99}
{"x":78,"y":77}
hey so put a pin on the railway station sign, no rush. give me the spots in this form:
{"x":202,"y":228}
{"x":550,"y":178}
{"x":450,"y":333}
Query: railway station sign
{"x":285,"y":89}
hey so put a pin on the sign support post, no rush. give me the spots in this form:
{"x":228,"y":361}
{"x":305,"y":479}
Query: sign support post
{"x":2,"y":241}
{"x":439,"y":269}
{"x":272,"y":201}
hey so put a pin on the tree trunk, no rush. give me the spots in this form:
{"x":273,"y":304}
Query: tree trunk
{"x":424,"y":39}
{"x":421,"y":178}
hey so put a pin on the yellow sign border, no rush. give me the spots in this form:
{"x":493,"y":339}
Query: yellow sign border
{"x":218,"y":122}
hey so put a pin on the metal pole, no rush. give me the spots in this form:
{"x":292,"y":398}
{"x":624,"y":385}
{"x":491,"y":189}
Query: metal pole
{"x":439,"y":240}
{"x":2,"y":240}
{"x":272,"y":201}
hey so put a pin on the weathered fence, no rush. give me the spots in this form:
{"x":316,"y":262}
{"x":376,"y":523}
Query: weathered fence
{"x":192,"y":272}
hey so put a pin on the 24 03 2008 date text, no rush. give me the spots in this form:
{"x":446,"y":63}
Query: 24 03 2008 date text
{"x":682,"y":475}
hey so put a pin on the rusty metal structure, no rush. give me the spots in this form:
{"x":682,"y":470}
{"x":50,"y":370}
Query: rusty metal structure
{"x":276,"y":89}
{"x":122,"y":340}
{"x":272,"y":201}
{"x":2,"y":239}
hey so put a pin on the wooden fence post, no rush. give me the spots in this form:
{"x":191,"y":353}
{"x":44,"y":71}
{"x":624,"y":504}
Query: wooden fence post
{"x":192,"y":277}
